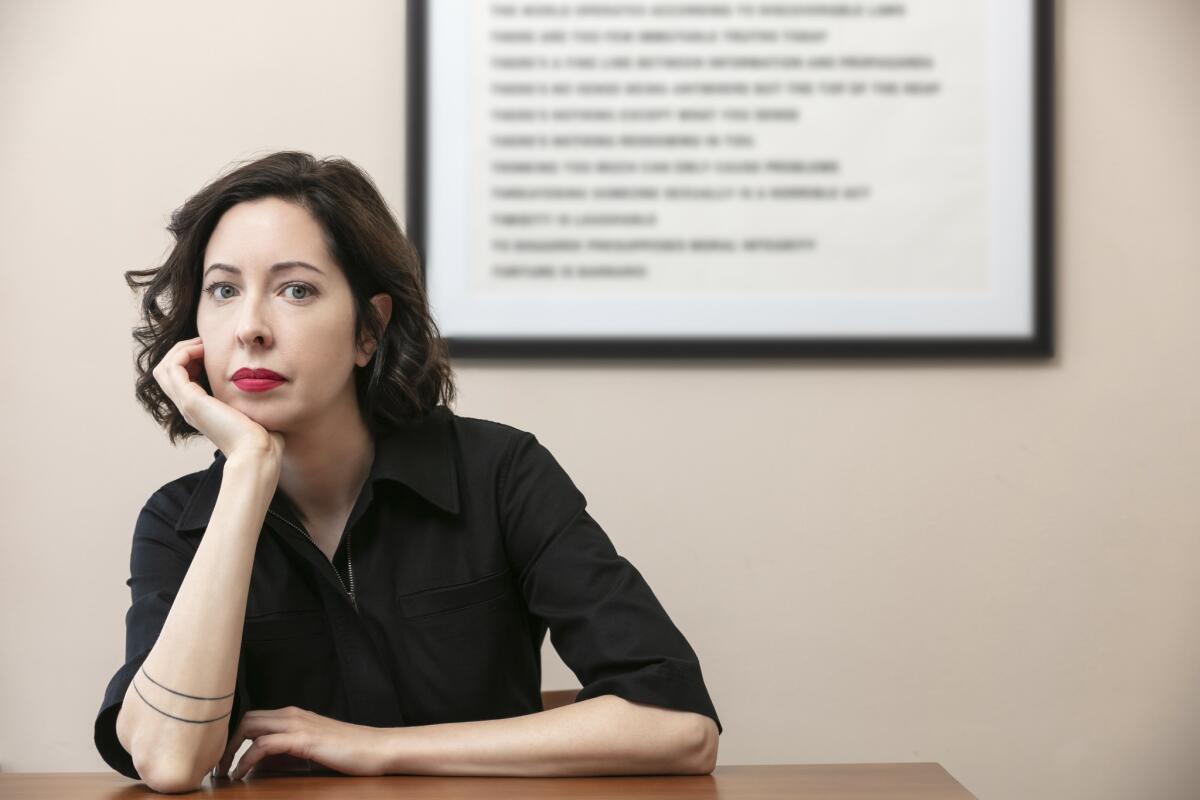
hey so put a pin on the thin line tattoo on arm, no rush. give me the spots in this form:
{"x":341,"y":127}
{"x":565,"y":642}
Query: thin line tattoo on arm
{"x":181,"y":694}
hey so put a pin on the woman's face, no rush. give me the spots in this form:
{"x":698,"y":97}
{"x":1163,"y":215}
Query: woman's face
{"x":258,"y":312}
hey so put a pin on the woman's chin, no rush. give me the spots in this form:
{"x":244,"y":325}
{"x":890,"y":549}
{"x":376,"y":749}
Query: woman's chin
{"x":274,"y":422}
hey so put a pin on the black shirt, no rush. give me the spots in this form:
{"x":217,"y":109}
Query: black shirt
{"x":467,"y":541}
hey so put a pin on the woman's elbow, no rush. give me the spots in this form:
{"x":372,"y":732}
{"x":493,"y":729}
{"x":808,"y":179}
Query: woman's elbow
{"x":170,"y":777}
{"x":703,"y":753}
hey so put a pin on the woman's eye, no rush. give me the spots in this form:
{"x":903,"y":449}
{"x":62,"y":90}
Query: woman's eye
{"x":213,"y":289}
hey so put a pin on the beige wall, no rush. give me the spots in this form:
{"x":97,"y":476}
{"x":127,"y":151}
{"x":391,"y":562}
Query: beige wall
{"x":992,"y":566}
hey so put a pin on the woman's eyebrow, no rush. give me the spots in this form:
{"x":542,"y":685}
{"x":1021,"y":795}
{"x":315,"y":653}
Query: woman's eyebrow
{"x":282,"y":266}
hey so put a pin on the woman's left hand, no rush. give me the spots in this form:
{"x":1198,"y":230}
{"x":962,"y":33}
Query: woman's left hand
{"x":341,"y":746}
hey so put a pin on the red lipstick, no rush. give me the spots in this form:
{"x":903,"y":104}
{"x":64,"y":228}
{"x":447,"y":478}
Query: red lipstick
{"x":257,"y":380}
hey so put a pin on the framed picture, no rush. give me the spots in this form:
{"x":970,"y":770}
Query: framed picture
{"x":629,"y":179}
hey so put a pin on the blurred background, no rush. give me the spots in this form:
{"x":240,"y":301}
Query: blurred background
{"x":990,"y":565}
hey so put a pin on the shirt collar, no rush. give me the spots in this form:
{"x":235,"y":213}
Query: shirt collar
{"x":417,"y":453}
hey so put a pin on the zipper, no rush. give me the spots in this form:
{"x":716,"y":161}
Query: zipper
{"x":349,"y":561}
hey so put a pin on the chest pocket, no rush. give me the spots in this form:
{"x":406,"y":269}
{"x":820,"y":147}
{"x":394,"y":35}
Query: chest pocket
{"x":290,"y":660}
{"x":449,"y":600}
{"x":463,"y":649}
{"x":285,"y":625}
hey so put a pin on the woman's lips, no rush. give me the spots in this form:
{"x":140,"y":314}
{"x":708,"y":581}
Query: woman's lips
{"x":256,"y":372}
{"x":257,"y":379}
{"x":257,"y":384}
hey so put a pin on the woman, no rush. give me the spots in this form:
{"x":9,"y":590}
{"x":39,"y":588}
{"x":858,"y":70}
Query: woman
{"x":362,"y":579}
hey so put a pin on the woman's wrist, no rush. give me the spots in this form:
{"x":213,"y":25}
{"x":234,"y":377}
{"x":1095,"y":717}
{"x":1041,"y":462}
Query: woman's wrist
{"x":262,"y":467}
{"x":256,"y":475}
{"x":390,"y":748}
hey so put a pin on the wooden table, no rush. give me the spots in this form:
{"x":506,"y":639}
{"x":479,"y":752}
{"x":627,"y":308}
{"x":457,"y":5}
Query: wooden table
{"x":782,"y":781}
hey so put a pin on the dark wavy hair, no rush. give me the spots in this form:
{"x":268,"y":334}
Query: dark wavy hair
{"x":409,"y":373}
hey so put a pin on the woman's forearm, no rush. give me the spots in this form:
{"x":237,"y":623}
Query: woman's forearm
{"x":196,"y":652}
{"x":605,"y":735}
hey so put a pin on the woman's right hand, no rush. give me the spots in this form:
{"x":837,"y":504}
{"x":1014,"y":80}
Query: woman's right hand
{"x":230,"y":430}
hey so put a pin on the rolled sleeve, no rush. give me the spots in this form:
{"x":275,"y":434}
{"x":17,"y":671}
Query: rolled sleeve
{"x":604,"y":620}
{"x":159,"y":560}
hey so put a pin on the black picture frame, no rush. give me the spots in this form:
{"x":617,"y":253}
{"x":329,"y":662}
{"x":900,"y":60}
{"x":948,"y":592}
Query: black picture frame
{"x":1040,"y":344}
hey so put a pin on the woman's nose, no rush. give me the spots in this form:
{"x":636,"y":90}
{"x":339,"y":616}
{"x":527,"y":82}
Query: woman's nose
{"x":253,"y":327}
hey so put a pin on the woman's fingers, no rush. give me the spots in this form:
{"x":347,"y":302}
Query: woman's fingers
{"x":267,"y":745}
{"x":231,"y":430}
{"x":194,"y":366}
{"x":179,"y":374}
{"x":253,"y":724}
{"x":173,"y":373}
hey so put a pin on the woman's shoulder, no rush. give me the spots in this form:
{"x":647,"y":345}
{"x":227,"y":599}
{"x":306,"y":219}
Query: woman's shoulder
{"x":486,"y":441}
{"x":170,"y":499}
{"x":477,"y":432}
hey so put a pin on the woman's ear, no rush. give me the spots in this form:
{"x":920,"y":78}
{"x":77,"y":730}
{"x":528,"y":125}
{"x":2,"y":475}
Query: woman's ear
{"x":383,"y":309}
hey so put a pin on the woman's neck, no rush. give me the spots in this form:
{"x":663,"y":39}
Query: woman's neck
{"x":324,"y":466}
